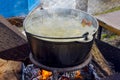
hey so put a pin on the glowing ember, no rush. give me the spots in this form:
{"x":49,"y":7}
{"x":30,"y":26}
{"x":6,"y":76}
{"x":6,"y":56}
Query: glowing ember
{"x":64,"y":78}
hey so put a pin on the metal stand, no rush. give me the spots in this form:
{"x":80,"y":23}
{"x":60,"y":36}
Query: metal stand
{"x":99,"y":33}
{"x":55,"y":71}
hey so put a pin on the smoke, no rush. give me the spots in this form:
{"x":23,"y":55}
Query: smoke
{"x":58,"y":3}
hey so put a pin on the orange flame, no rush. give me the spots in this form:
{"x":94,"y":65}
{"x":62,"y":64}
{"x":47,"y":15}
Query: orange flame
{"x":44,"y":74}
{"x":78,"y":75}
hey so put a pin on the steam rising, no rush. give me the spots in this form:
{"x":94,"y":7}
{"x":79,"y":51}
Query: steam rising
{"x":58,"y":3}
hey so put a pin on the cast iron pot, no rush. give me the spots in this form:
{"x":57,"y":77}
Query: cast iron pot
{"x":60,"y":52}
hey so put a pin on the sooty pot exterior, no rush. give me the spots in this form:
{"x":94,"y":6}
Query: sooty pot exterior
{"x":59,"y":54}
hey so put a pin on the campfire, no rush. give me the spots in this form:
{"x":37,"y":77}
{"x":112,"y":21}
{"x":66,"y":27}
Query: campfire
{"x":64,"y":55}
{"x":32,"y":72}
{"x":88,"y":72}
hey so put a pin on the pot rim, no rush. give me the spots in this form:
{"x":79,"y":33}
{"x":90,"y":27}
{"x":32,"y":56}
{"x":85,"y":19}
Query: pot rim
{"x":50,"y":39}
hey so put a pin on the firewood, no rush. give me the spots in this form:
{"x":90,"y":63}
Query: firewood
{"x":13,"y":44}
{"x":100,"y":62}
{"x":10,"y":70}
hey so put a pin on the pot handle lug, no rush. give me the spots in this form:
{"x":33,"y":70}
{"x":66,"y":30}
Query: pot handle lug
{"x":85,"y":35}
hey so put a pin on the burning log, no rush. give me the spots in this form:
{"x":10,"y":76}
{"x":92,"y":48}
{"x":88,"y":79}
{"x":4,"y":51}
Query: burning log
{"x":99,"y":61}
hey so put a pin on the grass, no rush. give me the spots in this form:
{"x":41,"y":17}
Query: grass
{"x":110,"y":10}
{"x":109,"y":36}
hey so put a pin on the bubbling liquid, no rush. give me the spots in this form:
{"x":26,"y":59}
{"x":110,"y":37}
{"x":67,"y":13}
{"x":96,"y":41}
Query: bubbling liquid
{"x":58,"y":27}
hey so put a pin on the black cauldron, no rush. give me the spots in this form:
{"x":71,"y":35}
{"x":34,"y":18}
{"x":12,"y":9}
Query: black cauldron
{"x":60,"y":52}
